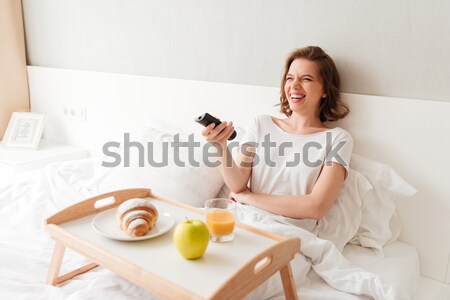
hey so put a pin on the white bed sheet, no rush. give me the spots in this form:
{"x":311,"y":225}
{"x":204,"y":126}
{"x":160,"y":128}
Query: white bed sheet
{"x":25,"y":249}
{"x":400,"y":263}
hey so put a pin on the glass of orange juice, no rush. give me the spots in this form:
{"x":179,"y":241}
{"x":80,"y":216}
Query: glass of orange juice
{"x":220,"y":219}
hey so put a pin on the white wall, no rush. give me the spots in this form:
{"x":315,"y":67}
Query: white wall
{"x":392,"y":48}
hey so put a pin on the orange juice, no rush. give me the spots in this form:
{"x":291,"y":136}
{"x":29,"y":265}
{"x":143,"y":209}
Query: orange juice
{"x":220,"y":223}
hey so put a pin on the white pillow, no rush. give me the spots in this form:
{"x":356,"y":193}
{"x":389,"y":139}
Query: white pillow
{"x":379,"y":223}
{"x":189,"y":184}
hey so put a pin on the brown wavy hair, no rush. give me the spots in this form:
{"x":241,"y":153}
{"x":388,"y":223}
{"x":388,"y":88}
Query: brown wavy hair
{"x":331,"y":107}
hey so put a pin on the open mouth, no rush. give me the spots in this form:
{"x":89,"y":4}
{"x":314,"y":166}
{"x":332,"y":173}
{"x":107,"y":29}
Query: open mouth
{"x":297,"y":97}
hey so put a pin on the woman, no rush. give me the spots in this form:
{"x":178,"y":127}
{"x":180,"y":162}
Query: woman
{"x":294,"y":167}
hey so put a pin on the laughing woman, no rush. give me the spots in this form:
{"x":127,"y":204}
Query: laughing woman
{"x":294,"y":166}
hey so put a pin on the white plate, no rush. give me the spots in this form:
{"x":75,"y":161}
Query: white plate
{"x":105,"y":224}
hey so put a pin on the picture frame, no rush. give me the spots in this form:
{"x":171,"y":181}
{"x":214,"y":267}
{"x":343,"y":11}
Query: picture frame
{"x":24,"y":131}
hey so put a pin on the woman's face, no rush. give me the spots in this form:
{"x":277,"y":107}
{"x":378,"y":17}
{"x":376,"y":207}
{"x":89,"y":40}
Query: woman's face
{"x":303,"y":87}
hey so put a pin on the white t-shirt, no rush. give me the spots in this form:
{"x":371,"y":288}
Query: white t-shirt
{"x":290,"y":164}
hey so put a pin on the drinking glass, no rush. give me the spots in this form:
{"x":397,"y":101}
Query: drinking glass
{"x":220,"y":219}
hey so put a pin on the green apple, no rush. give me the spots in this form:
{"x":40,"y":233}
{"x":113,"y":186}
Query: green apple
{"x":191,"y":238}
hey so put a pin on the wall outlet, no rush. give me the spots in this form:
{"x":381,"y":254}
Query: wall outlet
{"x":75,"y":113}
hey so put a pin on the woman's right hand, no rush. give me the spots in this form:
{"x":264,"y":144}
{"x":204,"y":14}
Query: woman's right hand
{"x":235,"y":176}
{"x":218,"y":134}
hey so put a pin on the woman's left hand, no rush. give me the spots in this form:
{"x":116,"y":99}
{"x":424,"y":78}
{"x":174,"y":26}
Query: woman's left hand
{"x":242,"y":197}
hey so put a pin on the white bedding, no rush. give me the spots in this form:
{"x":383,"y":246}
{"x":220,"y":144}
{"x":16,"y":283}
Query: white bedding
{"x":400,"y":263}
{"x":25,"y":249}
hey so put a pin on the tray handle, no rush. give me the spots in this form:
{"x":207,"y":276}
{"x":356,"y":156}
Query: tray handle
{"x":97,"y":204}
{"x":259,"y":269}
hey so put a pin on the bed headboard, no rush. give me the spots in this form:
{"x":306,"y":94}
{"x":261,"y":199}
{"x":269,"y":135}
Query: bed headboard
{"x":408,"y":134}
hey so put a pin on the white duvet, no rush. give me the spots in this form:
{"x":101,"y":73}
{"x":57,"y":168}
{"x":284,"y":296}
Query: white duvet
{"x":25,"y":249}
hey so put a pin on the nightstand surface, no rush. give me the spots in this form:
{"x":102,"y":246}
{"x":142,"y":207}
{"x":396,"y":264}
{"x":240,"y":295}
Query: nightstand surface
{"x":49,"y":151}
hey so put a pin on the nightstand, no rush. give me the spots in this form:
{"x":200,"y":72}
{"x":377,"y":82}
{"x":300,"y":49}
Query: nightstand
{"x":13,"y":161}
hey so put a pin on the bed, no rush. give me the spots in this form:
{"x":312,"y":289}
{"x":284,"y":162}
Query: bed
{"x":397,"y":257}
{"x":29,"y":199}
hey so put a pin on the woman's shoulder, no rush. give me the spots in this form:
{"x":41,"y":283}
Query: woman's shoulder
{"x":261,"y":121}
{"x":340,"y":130}
{"x":264,"y":118}
{"x":340,"y":134}
{"x":260,"y":126}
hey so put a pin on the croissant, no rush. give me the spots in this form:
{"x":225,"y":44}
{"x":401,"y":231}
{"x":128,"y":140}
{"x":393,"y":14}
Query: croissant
{"x":136,"y":216}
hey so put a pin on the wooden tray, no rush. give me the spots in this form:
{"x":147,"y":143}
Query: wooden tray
{"x":226,"y":271}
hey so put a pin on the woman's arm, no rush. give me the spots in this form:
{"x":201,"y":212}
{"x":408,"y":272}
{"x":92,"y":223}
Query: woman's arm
{"x":236,"y":174}
{"x":311,"y":206}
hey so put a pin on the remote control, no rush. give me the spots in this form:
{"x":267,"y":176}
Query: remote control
{"x":207,"y":119}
